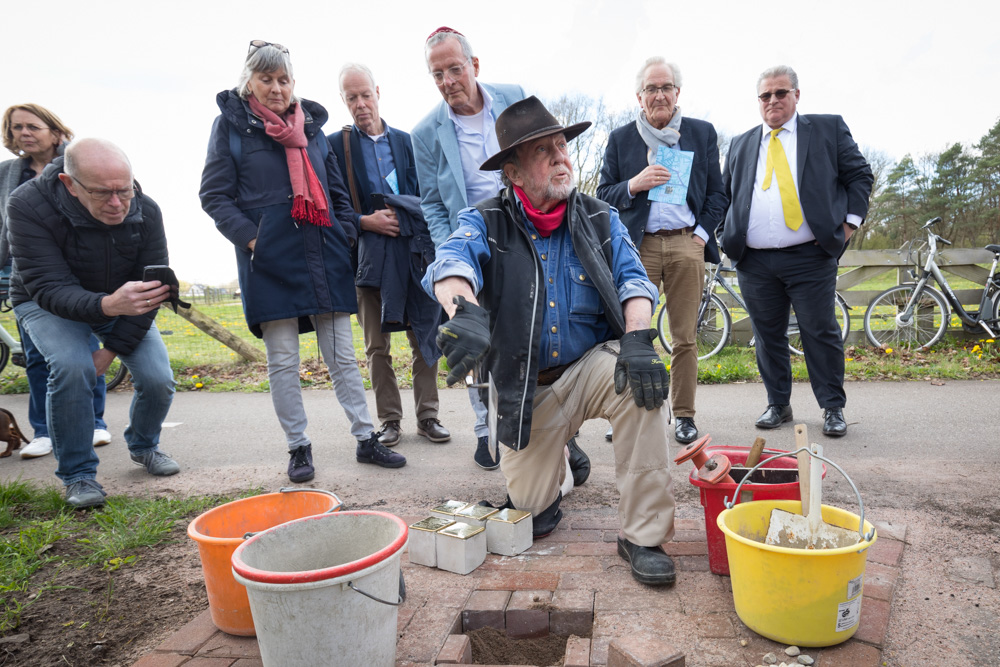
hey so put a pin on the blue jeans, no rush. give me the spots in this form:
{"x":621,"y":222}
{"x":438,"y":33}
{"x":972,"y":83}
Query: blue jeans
{"x":69,"y":404}
{"x":38,"y":378}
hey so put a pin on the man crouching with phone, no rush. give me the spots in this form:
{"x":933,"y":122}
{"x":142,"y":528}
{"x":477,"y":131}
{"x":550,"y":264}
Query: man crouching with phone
{"x":81,"y":235}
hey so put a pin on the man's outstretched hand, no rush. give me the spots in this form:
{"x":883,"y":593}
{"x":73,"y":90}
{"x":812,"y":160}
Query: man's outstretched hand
{"x":464,"y":339}
{"x":640,"y":366}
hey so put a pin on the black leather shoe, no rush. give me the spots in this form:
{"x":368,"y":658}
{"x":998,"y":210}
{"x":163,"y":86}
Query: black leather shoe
{"x":650,"y":565}
{"x":431,"y":429}
{"x":579,"y":462}
{"x":388,"y":435}
{"x":373,"y":451}
{"x":685,"y":431}
{"x":775,"y":416}
{"x":833,"y":422}
{"x":483,"y":458}
{"x":609,"y":436}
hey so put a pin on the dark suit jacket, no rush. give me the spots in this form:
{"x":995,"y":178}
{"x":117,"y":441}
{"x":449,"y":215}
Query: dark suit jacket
{"x":402,"y":155}
{"x":626,"y":156}
{"x":834,"y":180}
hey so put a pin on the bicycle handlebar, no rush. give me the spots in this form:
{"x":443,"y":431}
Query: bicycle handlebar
{"x":932,"y":221}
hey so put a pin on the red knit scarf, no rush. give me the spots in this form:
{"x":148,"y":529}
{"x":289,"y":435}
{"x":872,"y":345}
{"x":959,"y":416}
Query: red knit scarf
{"x":545,"y":223}
{"x":309,"y":201}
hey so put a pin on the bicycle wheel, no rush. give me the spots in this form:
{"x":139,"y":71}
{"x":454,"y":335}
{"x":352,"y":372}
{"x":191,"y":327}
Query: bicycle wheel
{"x":841,"y":312}
{"x":116,"y":373}
{"x":4,"y":355}
{"x":885,"y":327}
{"x":712,"y":331}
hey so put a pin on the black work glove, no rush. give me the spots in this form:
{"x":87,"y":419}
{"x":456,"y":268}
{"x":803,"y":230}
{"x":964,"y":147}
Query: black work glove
{"x":642,"y":368}
{"x":464,"y":339}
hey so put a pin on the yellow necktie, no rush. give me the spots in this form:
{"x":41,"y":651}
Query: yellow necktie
{"x":777,"y":164}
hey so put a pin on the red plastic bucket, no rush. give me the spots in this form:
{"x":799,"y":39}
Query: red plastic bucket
{"x":713,"y":497}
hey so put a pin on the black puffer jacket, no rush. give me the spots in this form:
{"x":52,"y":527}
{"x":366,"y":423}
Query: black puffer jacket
{"x":66,"y":261}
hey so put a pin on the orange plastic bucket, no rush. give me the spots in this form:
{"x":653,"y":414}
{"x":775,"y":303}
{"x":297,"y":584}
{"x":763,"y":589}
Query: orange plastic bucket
{"x":220,"y":530}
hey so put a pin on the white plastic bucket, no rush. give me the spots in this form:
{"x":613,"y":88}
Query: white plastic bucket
{"x":324,"y":590}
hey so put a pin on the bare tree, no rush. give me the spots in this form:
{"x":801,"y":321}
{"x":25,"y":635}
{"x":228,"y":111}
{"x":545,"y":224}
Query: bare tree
{"x":587,"y":150}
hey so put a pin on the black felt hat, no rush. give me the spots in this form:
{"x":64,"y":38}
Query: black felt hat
{"x":526,"y":121}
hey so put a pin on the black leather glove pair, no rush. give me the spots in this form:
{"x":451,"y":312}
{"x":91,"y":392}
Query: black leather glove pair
{"x":464,"y":339}
{"x":640,"y":366}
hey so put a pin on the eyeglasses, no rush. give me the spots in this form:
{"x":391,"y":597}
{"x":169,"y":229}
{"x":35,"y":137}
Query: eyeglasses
{"x":665,"y":89}
{"x":105,"y":195}
{"x":780,"y":94}
{"x":453,"y":73}
{"x":260,"y":44}
{"x":34,"y":129}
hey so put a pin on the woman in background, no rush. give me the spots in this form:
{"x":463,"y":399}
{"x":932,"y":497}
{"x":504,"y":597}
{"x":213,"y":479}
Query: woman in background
{"x":37,"y":136}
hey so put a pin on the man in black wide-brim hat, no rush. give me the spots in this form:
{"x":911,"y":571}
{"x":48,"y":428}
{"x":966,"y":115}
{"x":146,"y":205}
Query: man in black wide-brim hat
{"x":546,"y":292}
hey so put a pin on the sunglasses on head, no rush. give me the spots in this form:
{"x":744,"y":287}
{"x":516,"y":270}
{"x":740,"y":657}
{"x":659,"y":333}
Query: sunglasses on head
{"x":259,"y":44}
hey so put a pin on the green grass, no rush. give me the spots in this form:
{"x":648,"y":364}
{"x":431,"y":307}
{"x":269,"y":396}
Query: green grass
{"x":38,"y":530}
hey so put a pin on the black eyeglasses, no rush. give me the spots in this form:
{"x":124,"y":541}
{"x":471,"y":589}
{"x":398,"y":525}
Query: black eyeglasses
{"x":666,"y":89}
{"x":780,"y":94}
{"x":105,"y":195}
{"x":260,"y":44}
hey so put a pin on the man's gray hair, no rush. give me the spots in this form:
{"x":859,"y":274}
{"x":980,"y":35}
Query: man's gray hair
{"x":776,"y":71}
{"x":656,"y":60}
{"x":266,"y":59}
{"x":70,"y":166}
{"x":354,"y":67}
{"x":510,"y":159}
{"x":442,"y":36}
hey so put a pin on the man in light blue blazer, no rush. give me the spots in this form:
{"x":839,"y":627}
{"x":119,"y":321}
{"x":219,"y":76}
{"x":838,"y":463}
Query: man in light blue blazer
{"x":449,"y":145}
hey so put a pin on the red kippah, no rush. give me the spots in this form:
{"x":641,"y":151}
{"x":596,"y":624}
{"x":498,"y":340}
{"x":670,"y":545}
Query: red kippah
{"x":443,"y":28}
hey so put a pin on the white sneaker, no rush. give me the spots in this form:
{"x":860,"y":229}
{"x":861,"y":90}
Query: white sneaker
{"x":37,"y":447}
{"x":101,"y":437}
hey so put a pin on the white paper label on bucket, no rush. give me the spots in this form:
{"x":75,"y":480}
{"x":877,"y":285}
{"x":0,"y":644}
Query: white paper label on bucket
{"x":854,"y":586}
{"x":848,"y":614}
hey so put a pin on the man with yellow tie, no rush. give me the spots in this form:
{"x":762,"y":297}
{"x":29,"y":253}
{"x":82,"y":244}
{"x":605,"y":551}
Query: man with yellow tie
{"x":798,"y":187}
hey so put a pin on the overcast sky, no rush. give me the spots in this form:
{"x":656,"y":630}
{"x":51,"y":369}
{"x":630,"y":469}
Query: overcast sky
{"x":907,"y":76}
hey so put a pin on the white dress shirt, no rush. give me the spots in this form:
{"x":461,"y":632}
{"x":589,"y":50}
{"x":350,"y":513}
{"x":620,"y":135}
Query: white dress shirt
{"x":477,"y":141}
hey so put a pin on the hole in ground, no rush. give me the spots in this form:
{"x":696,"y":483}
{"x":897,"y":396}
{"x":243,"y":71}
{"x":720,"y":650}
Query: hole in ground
{"x":493,"y":647}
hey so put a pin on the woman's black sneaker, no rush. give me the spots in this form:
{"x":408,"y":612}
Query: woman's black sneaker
{"x":373,"y":451}
{"x":300,"y":464}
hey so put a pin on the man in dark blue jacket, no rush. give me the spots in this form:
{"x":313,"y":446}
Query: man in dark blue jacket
{"x":81,"y":235}
{"x":377,"y":161}
{"x":671,"y":220}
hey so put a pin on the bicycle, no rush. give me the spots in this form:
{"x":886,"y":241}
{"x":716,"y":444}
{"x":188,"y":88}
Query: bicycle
{"x":11,"y":350}
{"x":715,"y":322}
{"x":915,"y":315}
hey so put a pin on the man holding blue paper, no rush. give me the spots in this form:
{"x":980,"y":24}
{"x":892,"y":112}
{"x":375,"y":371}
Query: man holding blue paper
{"x":662,"y":173}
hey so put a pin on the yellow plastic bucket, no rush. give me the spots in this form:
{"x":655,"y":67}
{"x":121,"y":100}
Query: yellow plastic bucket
{"x":794,"y":596}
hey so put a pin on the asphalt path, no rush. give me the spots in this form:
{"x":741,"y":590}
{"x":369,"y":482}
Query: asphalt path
{"x":904,"y":440}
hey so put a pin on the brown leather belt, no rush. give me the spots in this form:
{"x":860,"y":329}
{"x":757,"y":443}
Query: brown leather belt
{"x":550,"y":375}
{"x":671,"y":232}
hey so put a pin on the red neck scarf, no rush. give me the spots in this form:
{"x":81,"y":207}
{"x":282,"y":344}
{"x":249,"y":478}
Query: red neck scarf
{"x":309,"y":201}
{"x":545,"y":223}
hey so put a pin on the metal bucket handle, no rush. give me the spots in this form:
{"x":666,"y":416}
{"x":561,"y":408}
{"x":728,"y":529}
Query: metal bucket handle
{"x":291,"y":489}
{"x":402,"y":592}
{"x":861,"y":525}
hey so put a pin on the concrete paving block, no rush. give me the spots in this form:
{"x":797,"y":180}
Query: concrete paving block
{"x":851,"y":652}
{"x":161,"y":660}
{"x":528,"y":614}
{"x":643,"y":650}
{"x":974,"y":570}
{"x":874,"y":621}
{"x":886,"y":552}
{"x":519,"y":581}
{"x":222,"y":645}
{"x":485,"y":609}
{"x":457,"y":650}
{"x":577,"y":652}
{"x":572,"y":612}
{"x":880,"y":581}
{"x":191,"y":636}
{"x":893,"y":531}
{"x":715,"y":626}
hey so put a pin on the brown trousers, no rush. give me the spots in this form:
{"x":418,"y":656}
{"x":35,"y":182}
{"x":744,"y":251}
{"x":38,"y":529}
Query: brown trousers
{"x":378,"y":349}
{"x":642,"y":463}
{"x":678,"y":264}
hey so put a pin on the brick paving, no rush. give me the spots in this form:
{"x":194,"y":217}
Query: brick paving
{"x":562,"y":581}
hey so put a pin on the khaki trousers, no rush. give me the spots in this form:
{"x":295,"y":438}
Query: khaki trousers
{"x":678,"y":263}
{"x":378,"y":349}
{"x":642,"y":463}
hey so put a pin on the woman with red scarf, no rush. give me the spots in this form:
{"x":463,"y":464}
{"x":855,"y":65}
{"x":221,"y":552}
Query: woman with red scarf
{"x":273,"y":188}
